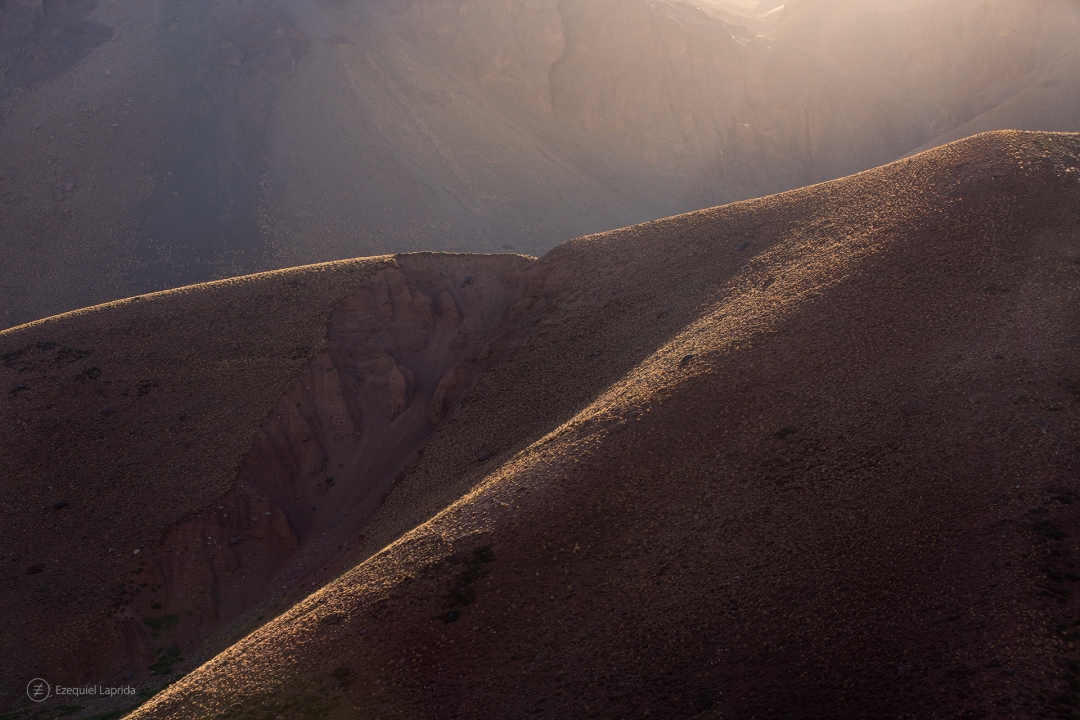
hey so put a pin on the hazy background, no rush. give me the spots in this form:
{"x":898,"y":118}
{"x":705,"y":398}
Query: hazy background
{"x":155,"y":143}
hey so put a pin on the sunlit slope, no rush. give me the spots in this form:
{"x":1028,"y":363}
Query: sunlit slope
{"x":812,"y":454}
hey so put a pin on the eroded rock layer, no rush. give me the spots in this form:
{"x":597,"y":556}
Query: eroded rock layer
{"x":400,"y":349}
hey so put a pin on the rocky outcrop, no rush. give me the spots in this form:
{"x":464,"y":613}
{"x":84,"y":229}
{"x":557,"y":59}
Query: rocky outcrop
{"x":450,"y":388}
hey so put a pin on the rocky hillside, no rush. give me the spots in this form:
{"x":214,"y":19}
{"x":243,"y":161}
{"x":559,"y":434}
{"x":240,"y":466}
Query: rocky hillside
{"x":813,"y":453}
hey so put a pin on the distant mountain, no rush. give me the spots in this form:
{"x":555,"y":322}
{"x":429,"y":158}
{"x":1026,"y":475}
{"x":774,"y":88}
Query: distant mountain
{"x":154,"y":144}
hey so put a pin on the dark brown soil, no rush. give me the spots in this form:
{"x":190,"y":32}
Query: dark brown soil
{"x":809,"y":456}
{"x":164,"y":456}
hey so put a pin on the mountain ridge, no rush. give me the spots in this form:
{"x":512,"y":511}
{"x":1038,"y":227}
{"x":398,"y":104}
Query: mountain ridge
{"x":202,"y":141}
{"x":663,"y":408}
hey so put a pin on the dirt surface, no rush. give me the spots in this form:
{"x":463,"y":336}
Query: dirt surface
{"x":142,"y":412}
{"x":807,"y":456}
{"x":39,"y":40}
{"x":165,"y":456}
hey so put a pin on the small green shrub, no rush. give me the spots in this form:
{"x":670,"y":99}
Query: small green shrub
{"x":159,"y":624}
{"x":166,"y":658}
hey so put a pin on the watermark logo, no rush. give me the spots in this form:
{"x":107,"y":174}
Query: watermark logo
{"x":38,"y":690}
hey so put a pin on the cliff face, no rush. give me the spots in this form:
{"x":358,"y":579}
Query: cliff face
{"x":943,"y":63}
{"x":507,"y":45}
{"x":832,"y":87}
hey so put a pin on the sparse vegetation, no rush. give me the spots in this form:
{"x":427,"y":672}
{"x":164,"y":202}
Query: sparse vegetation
{"x":1048,"y":530}
{"x":462,"y":591}
{"x":70,"y":354}
{"x":162,"y":623}
{"x":165,"y":659}
{"x":785,"y":432}
{"x":343,"y":675}
{"x":11,"y":356}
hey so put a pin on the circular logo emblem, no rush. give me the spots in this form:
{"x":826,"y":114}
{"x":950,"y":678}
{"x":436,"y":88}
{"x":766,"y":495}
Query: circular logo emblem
{"x":38,"y":690}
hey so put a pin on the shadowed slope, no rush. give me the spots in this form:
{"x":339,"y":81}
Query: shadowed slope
{"x":811,"y":455}
{"x":174,"y":462}
{"x":122,"y":420}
